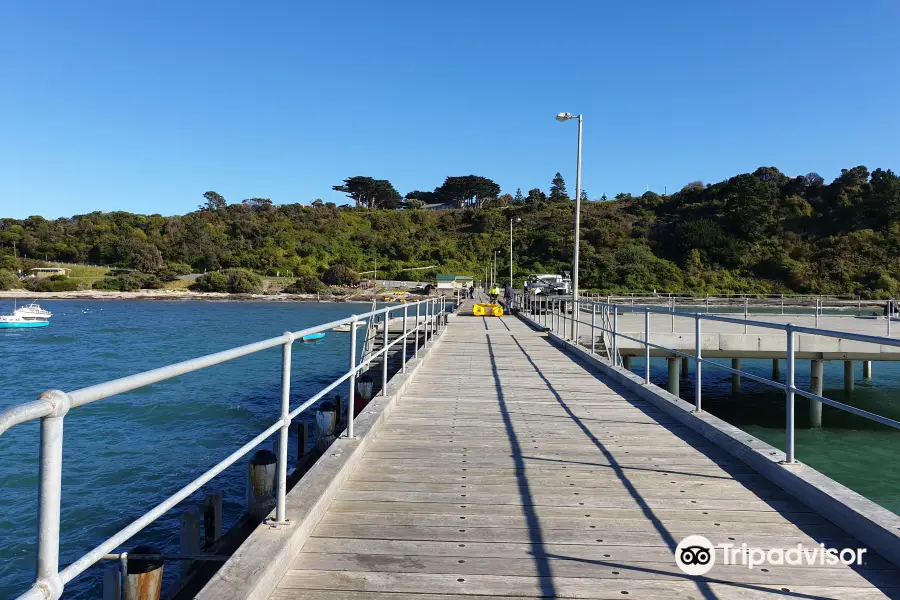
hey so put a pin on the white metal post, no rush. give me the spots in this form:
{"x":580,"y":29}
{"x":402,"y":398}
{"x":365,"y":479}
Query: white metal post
{"x":416,"y":343}
{"x":281,"y":492}
{"x":351,"y":396}
{"x":647,"y":346}
{"x":672,"y":308}
{"x":789,"y":392}
{"x":406,"y":333}
{"x":698,"y":362}
{"x":615,"y":342}
{"x":384,"y":350}
{"x":577,"y":228}
{"x":49,"y":495}
{"x":593,"y":327}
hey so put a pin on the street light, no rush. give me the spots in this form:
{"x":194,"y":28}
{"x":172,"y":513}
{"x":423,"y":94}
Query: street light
{"x":517,"y":220}
{"x":563,"y":117}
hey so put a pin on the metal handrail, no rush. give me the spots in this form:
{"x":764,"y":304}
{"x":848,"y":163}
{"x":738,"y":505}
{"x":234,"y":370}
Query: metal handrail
{"x":52,"y":406}
{"x":788,"y":386}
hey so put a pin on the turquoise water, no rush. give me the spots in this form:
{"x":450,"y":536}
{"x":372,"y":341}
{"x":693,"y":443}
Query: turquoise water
{"x":125,"y":454}
{"x":855,"y":451}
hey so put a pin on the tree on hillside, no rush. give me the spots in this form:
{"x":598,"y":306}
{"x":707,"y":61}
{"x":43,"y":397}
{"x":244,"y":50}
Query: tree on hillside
{"x":467,"y":190}
{"x":558,"y":191}
{"x":519,"y":198}
{"x":414,"y":204}
{"x":368,"y":192}
{"x":584,"y":196}
{"x":340,"y":275}
{"x":536,"y":198}
{"x":214,"y":201}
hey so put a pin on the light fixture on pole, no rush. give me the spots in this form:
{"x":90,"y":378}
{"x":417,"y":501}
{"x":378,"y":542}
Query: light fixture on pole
{"x":563,"y":117}
{"x":517,"y":220}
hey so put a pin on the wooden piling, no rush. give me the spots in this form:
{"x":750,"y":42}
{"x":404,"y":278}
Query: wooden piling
{"x":212,"y":518}
{"x":144,"y":578}
{"x":684,"y":366}
{"x":189,"y":538}
{"x":867,"y":369}
{"x":776,"y":369}
{"x":302,"y":440}
{"x":673,"y":375}
{"x":260,"y":497}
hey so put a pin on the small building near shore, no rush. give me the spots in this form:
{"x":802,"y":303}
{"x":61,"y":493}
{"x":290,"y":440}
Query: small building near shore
{"x":44,"y":272}
{"x":453,"y":282}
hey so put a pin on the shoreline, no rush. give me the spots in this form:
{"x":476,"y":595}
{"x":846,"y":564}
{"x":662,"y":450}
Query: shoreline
{"x":176,"y":295}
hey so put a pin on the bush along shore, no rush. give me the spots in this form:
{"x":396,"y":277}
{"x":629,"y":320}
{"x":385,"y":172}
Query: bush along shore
{"x":759,"y":232}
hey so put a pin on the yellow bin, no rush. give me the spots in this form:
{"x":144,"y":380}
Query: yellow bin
{"x":487,"y":310}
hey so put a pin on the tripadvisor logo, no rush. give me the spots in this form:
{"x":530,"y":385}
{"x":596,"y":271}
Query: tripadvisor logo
{"x":696,"y":555}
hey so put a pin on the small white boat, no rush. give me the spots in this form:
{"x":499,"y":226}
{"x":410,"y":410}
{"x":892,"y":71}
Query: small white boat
{"x":345,"y":328}
{"x":32,"y":312}
{"x":16,"y":322}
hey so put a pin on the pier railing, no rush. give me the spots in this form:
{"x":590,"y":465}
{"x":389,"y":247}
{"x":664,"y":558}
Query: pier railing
{"x":560,"y":316}
{"x":52,"y":406}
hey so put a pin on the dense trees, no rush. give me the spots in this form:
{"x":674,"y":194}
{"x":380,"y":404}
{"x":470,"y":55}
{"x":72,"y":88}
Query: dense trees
{"x":762,"y":231}
{"x":558,"y":191}
{"x":370,"y":193}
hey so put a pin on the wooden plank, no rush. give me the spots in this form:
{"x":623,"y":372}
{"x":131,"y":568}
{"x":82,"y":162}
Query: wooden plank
{"x":802,"y":517}
{"x":557,"y":587}
{"x":564,"y":566}
{"x":463,"y":533}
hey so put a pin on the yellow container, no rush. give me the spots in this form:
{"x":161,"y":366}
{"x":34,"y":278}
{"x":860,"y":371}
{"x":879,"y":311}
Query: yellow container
{"x":488,"y":310}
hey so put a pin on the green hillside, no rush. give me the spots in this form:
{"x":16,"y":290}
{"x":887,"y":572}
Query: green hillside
{"x":755,"y":232}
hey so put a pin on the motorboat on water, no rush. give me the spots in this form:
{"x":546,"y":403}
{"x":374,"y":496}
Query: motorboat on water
{"x":346,"y":327}
{"x":312,"y":337}
{"x":32,"y":312}
{"x":16,"y":322}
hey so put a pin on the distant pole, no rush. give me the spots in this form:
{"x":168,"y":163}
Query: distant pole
{"x":510,"y":253}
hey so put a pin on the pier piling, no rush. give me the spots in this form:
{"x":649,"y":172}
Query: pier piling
{"x":848,"y":376}
{"x":626,"y":362}
{"x":189,"y":538}
{"x":673,"y":375}
{"x":684,"y":367}
{"x":212,"y":518}
{"x":867,"y":369}
{"x":143,"y":580}
{"x":816,"y":371}
{"x":260,"y":498}
{"x":776,"y":369}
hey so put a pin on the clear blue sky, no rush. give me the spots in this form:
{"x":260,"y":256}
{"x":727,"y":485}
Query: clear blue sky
{"x":143,"y":106}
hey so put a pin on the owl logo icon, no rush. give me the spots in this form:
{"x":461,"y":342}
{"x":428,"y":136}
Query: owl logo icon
{"x":695,"y":555}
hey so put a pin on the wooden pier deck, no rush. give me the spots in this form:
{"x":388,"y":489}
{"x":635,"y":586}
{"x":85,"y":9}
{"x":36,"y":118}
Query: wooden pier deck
{"x":510,"y":469}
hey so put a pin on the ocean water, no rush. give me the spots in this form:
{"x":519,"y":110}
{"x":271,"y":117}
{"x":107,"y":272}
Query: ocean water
{"x":125,"y":454}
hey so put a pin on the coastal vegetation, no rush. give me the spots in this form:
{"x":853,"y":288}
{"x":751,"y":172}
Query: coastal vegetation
{"x":759,"y":232}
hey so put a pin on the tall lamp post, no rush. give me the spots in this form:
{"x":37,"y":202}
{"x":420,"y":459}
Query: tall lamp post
{"x":517,"y":220}
{"x":563,"y":117}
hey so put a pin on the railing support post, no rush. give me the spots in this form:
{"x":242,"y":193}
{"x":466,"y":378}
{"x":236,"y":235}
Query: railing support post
{"x":416,"y":329}
{"x":406,"y":333}
{"x":593,"y":327}
{"x":615,"y":341}
{"x":281,"y":486}
{"x":789,"y":394}
{"x":49,"y":494}
{"x":351,"y":395}
{"x":698,"y":363}
{"x":647,"y":346}
{"x":384,"y":349}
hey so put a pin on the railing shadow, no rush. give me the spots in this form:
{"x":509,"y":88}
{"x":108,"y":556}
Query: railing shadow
{"x":621,"y":473}
{"x":543,"y":567}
